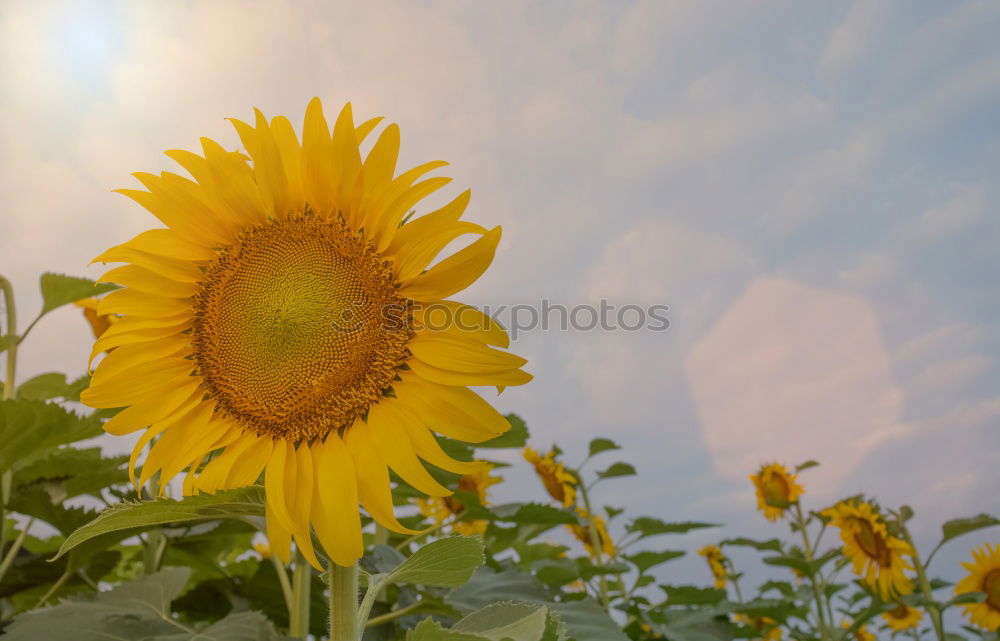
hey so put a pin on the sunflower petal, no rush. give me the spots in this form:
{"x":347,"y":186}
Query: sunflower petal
{"x":386,"y":426}
{"x":374,"y":490}
{"x":337,"y":520}
{"x":454,"y":273}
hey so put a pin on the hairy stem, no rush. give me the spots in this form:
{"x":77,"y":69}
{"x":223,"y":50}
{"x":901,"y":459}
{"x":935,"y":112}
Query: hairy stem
{"x":344,"y":624}
{"x":298,"y":625}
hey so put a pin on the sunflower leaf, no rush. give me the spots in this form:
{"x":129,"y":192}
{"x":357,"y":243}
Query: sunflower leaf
{"x":136,"y":516}
{"x":514,"y":621}
{"x":770,"y":545}
{"x":650,"y":526}
{"x":648,"y":559}
{"x":599,"y":445}
{"x":445,"y":563}
{"x":516,"y":436}
{"x":60,"y":289}
{"x":958,"y":527}
{"x":29,"y":429}
{"x":616,"y":470}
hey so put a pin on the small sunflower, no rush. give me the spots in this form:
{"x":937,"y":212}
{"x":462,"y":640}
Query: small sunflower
{"x":445,"y":507}
{"x":767,"y":626}
{"x":263,"y":549}
{"x":984,"y":576}
{"x":716,"y":562}
{"x":274,"y":327}
{"x":582,"y":534}
{"x":560,"y":484}
{"x":776,"y":489}
{"x":99,"y":323}
{"x":902,"y":617}
{"x":876,"y":555}
{"x":861,"y":634}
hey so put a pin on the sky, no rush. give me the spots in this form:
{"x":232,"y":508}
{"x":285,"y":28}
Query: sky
{"x":810,"y":187}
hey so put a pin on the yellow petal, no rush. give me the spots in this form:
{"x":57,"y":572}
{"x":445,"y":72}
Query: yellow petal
{"x":318,"y":179}
{"x":174,"y":443}
{"x":288,"y":147}
{"x":274,"y":481}
{"x":504,"y":378}
{"x":124,"y":358}
{"x":180,"y":270}
{"x":279,"y":536}
{"x":233,"y":182}
{"x":374,"y":490}
{"x":452,"y":351}
{"x":143,"y":380}
{"x":454,"y":273}
{"x":136,"y":303}
{"x":335,"y":500}
{"x":299,"y":488}
{"x":347,"y":158}
{"x":366,"y":128}
{"x":169,"y":244}
{"x":390,"y":437}
{"x":398,"y":208}
{"x":459,"y":321}
{"x":411,"y":260}
{"x":456,"y":412}
{"x":144,"y":280}
{"x":111,"y":339}
{"x":150,"y":410}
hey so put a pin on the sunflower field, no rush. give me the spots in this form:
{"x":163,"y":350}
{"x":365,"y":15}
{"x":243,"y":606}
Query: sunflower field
{"x":316,"y":458}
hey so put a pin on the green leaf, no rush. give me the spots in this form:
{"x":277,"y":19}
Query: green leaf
{"x":539,"y":513}
{"x":445,"y":563}
{"x":649,"y":526}
{"x":487,"y":586}
{"x":52,"y":385}
{"x":60,"y":289}
{"x":617,"y":469}
{"x":599,"y":445}
{"x":136,"y":516}
{"x":516,"y":436}
{"x":806,"y":465}
{"x":431,"y":630}
{"x":770,"y":545}
{"x":499,"y":621}
{"x":647,"y":559}
{"x":30,"y":429}
{"x":692,"y":595}
{"x":70,"y":472}
{"x":789,"y":562}
{"x":138,"y":609}
{"x":958,"y":527}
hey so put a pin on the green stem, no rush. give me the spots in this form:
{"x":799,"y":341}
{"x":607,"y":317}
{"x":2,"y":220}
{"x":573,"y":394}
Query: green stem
{"x":55,"y":587}
{"x":8,"y":295}
{"x":344,"y":624}
{"x":595,"y":543}
{"x":807,"y":549}
{"x":395,"y":614}
{"x":8,"y":559}
{"x":298,"y":625}
{"x":925,"y":585}
{"x":286,"y":586}
{"x":156,"y":543}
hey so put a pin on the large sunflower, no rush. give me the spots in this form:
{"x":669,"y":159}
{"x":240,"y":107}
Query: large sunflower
{"x":274,"y":326}
{"x":984,"y":576}
{"x":776,"y":489}
{"x":876,"y":555}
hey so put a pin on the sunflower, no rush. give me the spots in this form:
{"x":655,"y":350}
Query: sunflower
{"x":875,"y":554}
{"x":582,"y":533}
{"x":767,"y":626}
{"x":861,"y":634}
{"x":99,"y":323}
{"x":443,"y":508}
{"x":262,"y":549}
{"x":560,"y":484}
{"x":984,"y":576}
{"x":716,"y":563}
{"x":776,"y":489}
{"x":274,"y":327}
{"x":902,"y":617}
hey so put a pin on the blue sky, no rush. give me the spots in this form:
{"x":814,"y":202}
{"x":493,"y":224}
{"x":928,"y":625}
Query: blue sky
{"x":811,"y":187}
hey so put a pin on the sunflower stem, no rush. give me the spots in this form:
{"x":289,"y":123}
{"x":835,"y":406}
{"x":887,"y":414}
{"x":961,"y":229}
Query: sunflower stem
{"x":11,"y":307}
{"x":286,"y":586}
{"x":824,"y":628}
{"x":344,"y":623}
{"x":298,"y":625}
{"x":595,"y":544}
{"x":925,"y":585}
